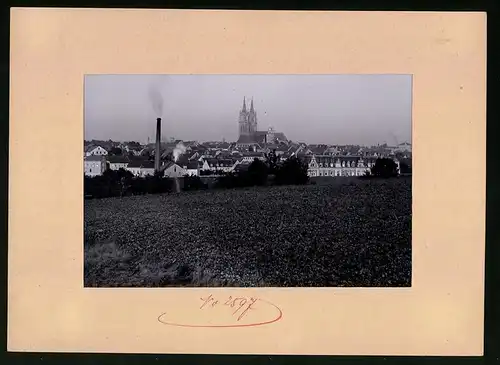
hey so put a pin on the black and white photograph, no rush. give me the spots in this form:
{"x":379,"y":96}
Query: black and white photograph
{"x":247,"y":180}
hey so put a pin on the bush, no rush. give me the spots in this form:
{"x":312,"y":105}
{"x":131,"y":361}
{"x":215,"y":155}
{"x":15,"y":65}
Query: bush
{"x":122,"y":182}
{"x":230,"y":180}
{"x":211,"y":173}
{"x":292,"y":171}
{"x":385,"y":167}
{"x":193,"y":183}
{"x":256,"y":175}
{"x":404,"y":168}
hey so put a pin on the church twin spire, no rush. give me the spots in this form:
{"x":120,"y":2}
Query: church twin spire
{"x":248,"y":119}
{"x":252,"y":110}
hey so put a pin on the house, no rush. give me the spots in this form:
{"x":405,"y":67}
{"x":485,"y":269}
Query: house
{"x":403,"y":147}
{"x":93,"y":150}
{"x":250,"y":156}
{"x":117,"y":162}
{"x":191,"y":168}
{"x":141,"y":168}
{"x":190,"y":145}
{"x":223,"y":154}
{"x":94,"y":165}
{"x":333,"y":150}
{"x":194,"y":156}
{"x":136,"y":150}
{"x":215,"y":164}
{"x":172,"y":169}
{"x":327,"y":165}
{"x":206,"y":156}
{"x":224,"y":146}
{"x":316,"y":149}
{"x":282,"y":149}
{"x":242,"y":167}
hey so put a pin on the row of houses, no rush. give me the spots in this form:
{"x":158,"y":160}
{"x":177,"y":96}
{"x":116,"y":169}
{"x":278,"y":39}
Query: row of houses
{"x":284,"y":148}
{"x":97,"y":165}
{"x":318,"y":165}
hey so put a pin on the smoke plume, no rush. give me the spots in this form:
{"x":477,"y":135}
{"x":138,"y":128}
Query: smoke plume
{"x":156,"y":100}
{"x":178,"y":151}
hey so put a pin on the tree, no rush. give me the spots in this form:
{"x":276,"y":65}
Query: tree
{"x":404,"y":168}
{"x":385,"y":167}
{"x":116,"y":151}
{"x":272,"y":161}
{"x":193,"y":183}
{"x":257,"y":173}
{"x":292,"y":171}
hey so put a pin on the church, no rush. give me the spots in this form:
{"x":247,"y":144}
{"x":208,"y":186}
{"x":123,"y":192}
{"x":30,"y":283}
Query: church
{"x":248,"y":133}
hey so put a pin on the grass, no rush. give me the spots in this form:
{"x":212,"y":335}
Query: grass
{"x":338,"y":232}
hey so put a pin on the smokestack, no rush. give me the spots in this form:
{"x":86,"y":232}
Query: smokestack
{"x":158,"y":141}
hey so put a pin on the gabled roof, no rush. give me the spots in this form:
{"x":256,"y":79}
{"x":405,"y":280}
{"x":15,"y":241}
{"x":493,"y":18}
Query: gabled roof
{"x":246,"y":139}
{"x":95,"y":158}
{"x":242,"y":167}
{"x":252,"y":154}
{"x":215,"y":162}
{"x":224,"y":145}
{"x":317,"y":150}
{"x":169,"y":164}
{"x":92,"y":147}
{"x":191,"y":165}
{"x":117,"y":159}
{"x":283,"y":148}
{"x":145,"y":164}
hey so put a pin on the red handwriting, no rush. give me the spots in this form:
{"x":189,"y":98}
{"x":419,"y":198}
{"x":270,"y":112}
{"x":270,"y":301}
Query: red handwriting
{"x":242,"y":304}
{"x":237,"y":308}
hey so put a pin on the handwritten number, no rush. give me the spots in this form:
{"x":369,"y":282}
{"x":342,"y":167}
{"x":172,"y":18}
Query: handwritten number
{"x":249,"y":307}
{"x":243,"y":301}
{"x":244,"y":305}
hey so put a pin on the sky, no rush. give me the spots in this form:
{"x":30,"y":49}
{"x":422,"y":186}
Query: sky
{"x":315,"y":109}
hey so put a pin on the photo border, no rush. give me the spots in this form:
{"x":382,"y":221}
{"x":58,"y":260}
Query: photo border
{"x":492,"y":232}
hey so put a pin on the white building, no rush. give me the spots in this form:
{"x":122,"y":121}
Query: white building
{"x":174,"y":170}
{"x":215,"y":164}
{"x":250,"y":156}
{"x":403,"y":147}
{"x":117,"y":162}
{"x":141,"y":168}
{"x":326,"y":165}
{"x":94,"y":165}
{"x":191,"y":168}
{"x":95,"y":151}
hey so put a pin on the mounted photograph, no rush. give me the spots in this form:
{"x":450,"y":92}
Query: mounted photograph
{"x":247,"y":180}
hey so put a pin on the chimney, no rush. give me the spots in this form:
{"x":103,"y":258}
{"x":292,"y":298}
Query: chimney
{"x":158,"y":141}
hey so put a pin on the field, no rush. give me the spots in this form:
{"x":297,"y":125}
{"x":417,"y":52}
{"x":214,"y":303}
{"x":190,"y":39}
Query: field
{"x":338,"y":232}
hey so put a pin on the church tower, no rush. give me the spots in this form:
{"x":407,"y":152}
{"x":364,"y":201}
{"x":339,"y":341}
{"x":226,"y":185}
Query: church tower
{"x":243,"y":120}
{"x":252,"y":119}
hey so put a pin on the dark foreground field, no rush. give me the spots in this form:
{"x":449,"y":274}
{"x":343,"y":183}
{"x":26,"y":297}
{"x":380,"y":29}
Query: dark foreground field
{"x":339,"y":233}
